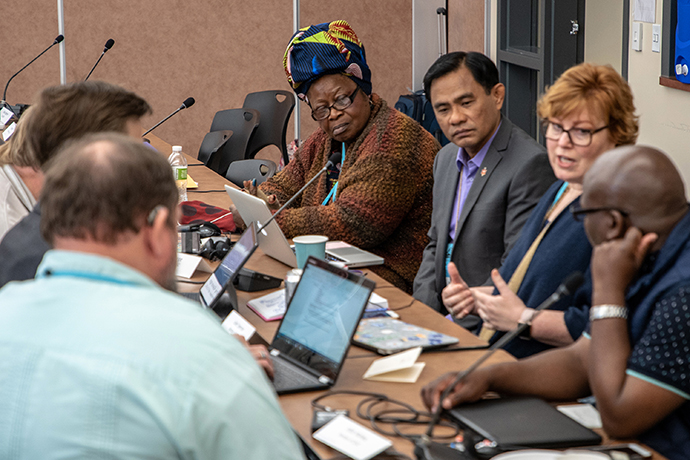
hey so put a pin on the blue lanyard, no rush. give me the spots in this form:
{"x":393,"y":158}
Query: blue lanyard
{"x":90,"y":276}
{"x":332,"y":193}
{"x":559,"y":193}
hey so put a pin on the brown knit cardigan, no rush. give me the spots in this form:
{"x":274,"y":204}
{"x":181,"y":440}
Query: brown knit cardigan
{"x":384,"y":199}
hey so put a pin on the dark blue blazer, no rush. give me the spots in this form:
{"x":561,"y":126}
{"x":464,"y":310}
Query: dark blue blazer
{"x":564,"y":249}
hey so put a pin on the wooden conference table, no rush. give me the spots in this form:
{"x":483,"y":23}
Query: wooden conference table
{"x":297,"y":407}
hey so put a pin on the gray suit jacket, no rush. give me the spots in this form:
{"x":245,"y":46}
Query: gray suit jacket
{"x":498,"y":204}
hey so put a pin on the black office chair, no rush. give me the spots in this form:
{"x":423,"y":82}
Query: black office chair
{"x":275,"y":107}
{"x":242,"y":170}
{"x":213,"y":142}
{"x":242,"y":123}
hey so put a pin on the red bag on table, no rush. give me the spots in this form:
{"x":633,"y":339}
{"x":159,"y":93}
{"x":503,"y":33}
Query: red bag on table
{"x":194,"y":212}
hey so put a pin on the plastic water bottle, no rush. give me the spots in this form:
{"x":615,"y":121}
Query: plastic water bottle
{"x":179,"y":166}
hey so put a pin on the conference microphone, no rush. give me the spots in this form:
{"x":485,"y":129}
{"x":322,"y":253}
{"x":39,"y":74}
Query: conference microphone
{"x":57,"y":40}
{"x":109,"y":44}
{"x":332,"y":160}
{"x":572,"y":282}
{"x":185,"y":105}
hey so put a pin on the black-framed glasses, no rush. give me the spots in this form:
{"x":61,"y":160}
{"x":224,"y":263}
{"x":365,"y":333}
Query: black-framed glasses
{"x":579,"y":212}
{"x":578,"y":136}
{"x":341,"y":103}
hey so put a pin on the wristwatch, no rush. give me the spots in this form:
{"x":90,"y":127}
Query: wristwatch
{"x":607,"y":311}
{"x":526,"y":318}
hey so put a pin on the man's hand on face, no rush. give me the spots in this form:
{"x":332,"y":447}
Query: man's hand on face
{"x":615,"y":262}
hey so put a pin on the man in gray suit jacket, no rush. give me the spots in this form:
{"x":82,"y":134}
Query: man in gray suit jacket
{"x":486,"y":181}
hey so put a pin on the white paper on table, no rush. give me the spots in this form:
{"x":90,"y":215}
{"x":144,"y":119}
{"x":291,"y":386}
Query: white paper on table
{"x":584,"y":414}
{"x":376,"y":301}
{"x":9,"y":131}
{"x":645,"y":11}
{"x":237,"y":324}
{"x":269,"y":307}
{"x":5,"y":115}
{"x":187,"y":264}
{"x":352,"y":439}
{"x":400,"y":367}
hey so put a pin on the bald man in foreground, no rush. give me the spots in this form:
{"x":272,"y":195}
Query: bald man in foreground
{"x":635,"y":355}
{"x":99,"y":358}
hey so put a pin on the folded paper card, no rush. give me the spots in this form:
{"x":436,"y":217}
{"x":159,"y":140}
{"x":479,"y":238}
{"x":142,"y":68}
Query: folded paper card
{"x":191,"y":183}
{"x":352,"y":439}
{"x":187,"y":264}
{"x":236,"y":324}
{"x":400,"y":367}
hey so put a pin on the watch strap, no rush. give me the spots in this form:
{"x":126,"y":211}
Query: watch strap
{"x":607,"y":311}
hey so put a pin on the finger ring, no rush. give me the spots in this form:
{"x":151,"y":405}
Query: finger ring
{"x":262,"y":355}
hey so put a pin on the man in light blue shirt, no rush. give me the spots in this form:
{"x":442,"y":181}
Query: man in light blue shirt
{"x":97,"y":358}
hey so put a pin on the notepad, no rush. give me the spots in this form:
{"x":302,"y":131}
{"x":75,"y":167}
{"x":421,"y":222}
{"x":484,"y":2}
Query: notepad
{"x":270,"y":307}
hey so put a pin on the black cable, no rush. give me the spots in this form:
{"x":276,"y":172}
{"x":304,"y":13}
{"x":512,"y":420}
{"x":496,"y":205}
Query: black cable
{"x":399,"y":308}
{"x":468,"y":348}
{"x":404,"y":306}
{"x":366,"y":411}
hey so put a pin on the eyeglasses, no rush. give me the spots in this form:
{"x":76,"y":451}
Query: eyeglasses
{"x":341,"y":103}
{"x":578,"y":136}
{"x":579,"y":213}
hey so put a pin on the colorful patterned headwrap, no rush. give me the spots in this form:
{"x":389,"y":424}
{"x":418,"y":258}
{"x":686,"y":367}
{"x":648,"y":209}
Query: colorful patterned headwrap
{"x":328,"y":48}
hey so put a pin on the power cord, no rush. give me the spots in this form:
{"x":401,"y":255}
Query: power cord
{"x":403,"y":414}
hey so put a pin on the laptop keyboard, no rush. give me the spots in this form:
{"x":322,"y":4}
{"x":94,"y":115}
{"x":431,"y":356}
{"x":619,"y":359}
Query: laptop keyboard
{"x":287,"y":376}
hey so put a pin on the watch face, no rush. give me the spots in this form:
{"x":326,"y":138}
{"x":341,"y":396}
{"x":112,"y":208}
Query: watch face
{"x":526,"y":333}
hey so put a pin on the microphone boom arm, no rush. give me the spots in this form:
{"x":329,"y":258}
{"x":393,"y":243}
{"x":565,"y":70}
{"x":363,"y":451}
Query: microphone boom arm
{"x":57,"y":40}
{"x":94,"y":66}
{"x":160,"y":122}
{"x":568,"y":286}
{"x":288,"y":202}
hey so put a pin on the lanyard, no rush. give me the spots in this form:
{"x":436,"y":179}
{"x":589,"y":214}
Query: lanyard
{"x":90,"y":276}
{"x":335,"y":186}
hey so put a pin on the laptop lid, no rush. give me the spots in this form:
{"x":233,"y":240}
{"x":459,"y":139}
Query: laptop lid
{"x":226,"y":272}
{"x":386,"y":336}
{"x":271,"y":239}
{"x":322,"y":316}
{"x":523,"y":421}
{"x":352,"y":256}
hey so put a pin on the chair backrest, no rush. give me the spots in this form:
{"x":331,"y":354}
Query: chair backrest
{"x":242,"y":123}
{"x":275,"y":107}
{"x":213,"y":141}
{"x":240,"y":171}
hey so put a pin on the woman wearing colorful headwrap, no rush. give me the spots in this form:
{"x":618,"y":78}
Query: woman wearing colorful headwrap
{"x":379,"y":197}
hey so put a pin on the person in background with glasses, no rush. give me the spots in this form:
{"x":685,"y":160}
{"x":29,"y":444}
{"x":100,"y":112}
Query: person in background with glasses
{"x":633,"y":355}
{"x":378,"y":195}
{"x":588,"y":111}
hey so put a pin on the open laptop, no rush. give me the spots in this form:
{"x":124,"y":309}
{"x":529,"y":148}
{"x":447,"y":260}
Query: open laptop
{"x":223,"y":276}
{"x":314,"y":336}
{"x":273,"y":242}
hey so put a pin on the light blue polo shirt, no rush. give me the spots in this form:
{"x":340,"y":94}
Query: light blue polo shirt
{"x":98,"y":361}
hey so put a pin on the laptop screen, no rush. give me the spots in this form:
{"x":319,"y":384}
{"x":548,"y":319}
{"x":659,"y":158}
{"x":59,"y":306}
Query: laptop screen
{"x":322,"y":316}
{"x":232,"y":262}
